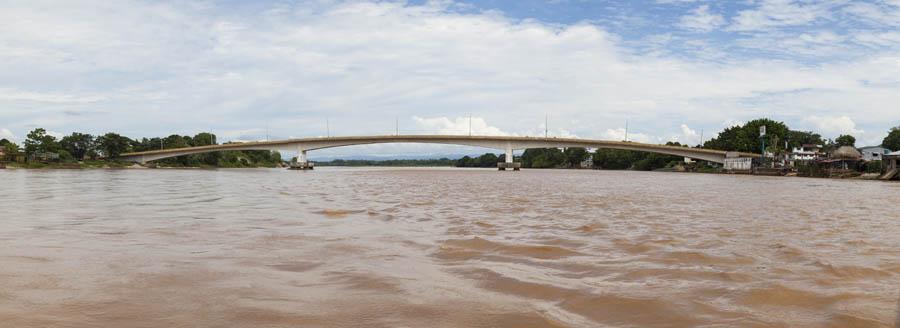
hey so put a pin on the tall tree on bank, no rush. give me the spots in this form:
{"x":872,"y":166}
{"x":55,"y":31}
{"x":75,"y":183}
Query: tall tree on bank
{"x":892,"y":141}
{"x":205,"y":139}
{"x":78,"y":144}
{"x":575,"y":155}
{"x":10,"y":148}
{"x":845,"y":140}
{"x":745,"y":138}
{"x":38,"y":141}
{"x":112,"y":145}
{"x":797,"y":139}
{"x":543,"y":158}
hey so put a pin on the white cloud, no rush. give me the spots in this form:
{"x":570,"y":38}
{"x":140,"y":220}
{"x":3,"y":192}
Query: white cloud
{"x":156,"y":68}
{"x":13,"y":95}
{"x":688,"y":136}
{"x":878,"y":39}
{"x":620,"y":134}
{"x":57,"y":135}
{"x":458,"y":126}
{"x":813,"y":44}
{"x":8,"y":135}
{"x":834,"y":125}
{"x":886,"y":12}
{"x":675,"y":1}
{"x":772,"y":14}
{"x":701,"y":20}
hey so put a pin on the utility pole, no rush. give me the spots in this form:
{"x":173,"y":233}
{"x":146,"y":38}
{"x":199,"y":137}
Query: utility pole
{"x":701,"y":138}
{"x":626,"y":130}
{"x":470,"y":125}
{"x":397,"y":125}
{"x":267,"y":131}
{"x":546,"y":125}
{"x":327,"y":129}
{"x":762,"y":142}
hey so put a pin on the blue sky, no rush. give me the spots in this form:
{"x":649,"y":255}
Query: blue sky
{"x":673,"y":68}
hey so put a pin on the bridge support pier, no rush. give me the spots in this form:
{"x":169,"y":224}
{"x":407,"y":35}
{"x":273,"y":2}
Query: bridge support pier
{"x":302,"y":162}
{"x":508,"y":161}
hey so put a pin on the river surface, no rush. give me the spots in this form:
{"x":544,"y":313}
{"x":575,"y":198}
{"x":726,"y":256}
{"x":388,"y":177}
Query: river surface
{"x":371,"y":247}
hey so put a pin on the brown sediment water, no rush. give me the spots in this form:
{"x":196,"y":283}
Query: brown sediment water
{"x":342,"y":247}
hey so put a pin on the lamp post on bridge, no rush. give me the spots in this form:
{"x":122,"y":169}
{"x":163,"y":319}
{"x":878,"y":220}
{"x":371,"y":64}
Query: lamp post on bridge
{"x":762,"y":142}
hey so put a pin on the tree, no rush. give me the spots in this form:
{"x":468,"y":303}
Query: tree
{"x":205,"y":139}
{"x":575,"y":155}
{"x":543,"y":158}
{"x":892,"y":141}
{"x":845,"y":140}
{"x":797,"y":139}
{"x":38,"y":141}
{"x":77,"y":144}
{"x":487,"y":160}
{"x":10,"y":149}
{"x":614,"y":159}
{"x":745,"y":138}
{"x":112,"y":145}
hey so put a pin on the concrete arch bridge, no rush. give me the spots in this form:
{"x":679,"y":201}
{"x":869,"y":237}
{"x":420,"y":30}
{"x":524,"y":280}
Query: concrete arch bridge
{"x":504,"y":143}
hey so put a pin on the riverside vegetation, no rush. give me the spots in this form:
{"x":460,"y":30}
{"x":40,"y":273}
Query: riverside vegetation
{"x":80,"y":150}
{"x":743,"y":138}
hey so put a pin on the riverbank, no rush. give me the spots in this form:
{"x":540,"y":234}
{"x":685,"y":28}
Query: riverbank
{"x":105,"y":165}
{"x":70,"y":166}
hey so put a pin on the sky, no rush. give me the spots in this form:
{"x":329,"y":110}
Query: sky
{"x":675,"y":70}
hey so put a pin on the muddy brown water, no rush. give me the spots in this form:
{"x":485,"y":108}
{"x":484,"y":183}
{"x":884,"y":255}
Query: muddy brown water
{"x":444,"y":248}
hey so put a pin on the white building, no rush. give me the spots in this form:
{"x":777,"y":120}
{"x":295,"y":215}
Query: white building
{"x":738,"y":163}
{"x":873,"y":153}
{"x":588,"y":162}
{"x":807,"y":152}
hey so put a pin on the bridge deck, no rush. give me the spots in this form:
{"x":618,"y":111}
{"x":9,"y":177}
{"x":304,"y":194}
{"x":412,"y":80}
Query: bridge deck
{"x":496,"y":142}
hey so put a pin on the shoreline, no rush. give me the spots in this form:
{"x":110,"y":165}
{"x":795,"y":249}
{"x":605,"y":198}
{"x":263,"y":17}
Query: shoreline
{"x":863,"y":177}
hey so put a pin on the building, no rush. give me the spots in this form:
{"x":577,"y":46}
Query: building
{"x":44,"y":157}
{"x":738,"y":164}
{"x":806,"y":152}
{"x":890,"y":166}
{"x":587,"y":163}
{"x":845,"y":158}
{"x":873,"y":153}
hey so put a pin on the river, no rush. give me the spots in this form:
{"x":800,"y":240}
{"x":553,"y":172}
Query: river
{"x":432,"y":247}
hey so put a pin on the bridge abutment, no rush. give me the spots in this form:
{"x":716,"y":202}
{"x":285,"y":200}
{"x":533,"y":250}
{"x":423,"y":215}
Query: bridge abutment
{"x":515,"y":166}
{"x":302,"y":163}
{"x":508,"y":162}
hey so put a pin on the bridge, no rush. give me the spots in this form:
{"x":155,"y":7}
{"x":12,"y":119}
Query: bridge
{"x":504,"y":143}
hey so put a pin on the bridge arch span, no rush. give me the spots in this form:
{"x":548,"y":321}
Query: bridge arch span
{"x":502,"y":143}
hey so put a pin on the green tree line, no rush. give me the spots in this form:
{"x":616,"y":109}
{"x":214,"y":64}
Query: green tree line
{"x":779,"y":137}
{"x":79,"y":147}
{"x":743,"y":138}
